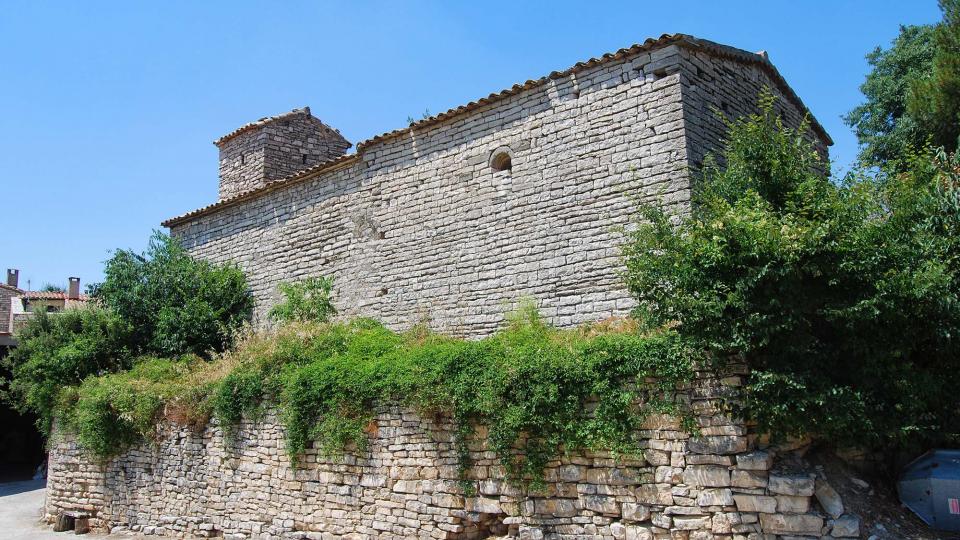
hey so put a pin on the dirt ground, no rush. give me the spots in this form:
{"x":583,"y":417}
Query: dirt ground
{"x":874,"y":499}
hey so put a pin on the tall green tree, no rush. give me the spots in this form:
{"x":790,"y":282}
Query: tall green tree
{"x":934,"y":100}
{"x":60,"y":350}
{"x":175,"y":304}
{"x":843,"y":298}
{"x":886,"y":129}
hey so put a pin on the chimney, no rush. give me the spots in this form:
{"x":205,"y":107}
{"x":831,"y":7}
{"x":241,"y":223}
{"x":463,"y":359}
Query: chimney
{"x":13,"y":277}
{"x":73,"y":292}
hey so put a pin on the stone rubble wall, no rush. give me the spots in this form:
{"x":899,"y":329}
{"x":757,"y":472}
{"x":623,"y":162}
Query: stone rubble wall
{"x":278,"y":149}
{"x":716,"y":486}
{"x":420,"y":226}
{"x":7,"y":296}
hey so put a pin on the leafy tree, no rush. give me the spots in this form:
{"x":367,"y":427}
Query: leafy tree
{"x":59,"y":350}
{"x":934,"y":100}
{"x":843,"y":298}
{"x":50,"y":287}
{"x":174,"y":303}
{"x":307,"y":300}
{"x":883,"y":124}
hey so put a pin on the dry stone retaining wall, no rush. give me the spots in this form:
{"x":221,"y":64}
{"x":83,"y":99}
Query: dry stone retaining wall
{"x":201,"y":484}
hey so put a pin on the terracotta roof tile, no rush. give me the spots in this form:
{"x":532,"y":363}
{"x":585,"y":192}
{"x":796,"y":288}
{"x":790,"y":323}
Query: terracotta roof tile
{"x":761,"y":59}
{"x":51,"y":295}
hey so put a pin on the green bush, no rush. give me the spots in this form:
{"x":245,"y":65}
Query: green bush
{"x":307,"y":300}
{"x":162,"y":303}
{"x":56,"y":351}
{"x":111,"y":412}
{"x":540,"y":390}
{"x":174,"y":303}
{"x":842,"y":297}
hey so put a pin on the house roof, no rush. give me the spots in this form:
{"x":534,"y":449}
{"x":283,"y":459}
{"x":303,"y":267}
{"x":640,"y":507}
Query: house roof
{"x":52,"y":295}
{"x":760,"y":59}
{"x":11,"y":288}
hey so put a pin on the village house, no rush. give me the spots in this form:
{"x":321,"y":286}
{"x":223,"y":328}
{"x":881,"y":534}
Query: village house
{"x":18,"y":305}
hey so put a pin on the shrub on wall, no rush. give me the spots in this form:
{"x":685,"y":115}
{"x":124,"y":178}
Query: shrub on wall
{"x":843,"y":297}
{"x":307,"y":300}
{"x":538,"y":389}
{"x":57,"y":351}
{"x":162,"y":302}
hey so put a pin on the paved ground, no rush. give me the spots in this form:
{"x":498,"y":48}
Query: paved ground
{"x":20,"y":507}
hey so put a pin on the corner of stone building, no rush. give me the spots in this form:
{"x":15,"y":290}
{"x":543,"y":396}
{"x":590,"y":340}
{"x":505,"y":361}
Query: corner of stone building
{"x":274,"y":148}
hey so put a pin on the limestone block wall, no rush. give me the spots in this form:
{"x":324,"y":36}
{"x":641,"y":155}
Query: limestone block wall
{"x":420,"y":226}
{"x":717,"y":88}
{"x":404,"y":485}
{"x":273,"y":148}
{"x":7,"y":296}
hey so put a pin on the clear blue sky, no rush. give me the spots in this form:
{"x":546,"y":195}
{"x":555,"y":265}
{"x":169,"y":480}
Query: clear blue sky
{"x":108,"y":109}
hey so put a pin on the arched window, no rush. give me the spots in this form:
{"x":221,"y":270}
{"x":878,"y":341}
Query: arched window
{"x":501,"y":160}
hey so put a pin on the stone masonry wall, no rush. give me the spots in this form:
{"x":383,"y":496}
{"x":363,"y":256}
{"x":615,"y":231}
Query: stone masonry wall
{"x":278,"y":148}
{"x":6,"y":316}
{"x":420,"y":226}
{"x":242,"y":162}
{"x":715,"y":88}
{"x":199,"y":484}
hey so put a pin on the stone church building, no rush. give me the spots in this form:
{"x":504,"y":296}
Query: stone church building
{"x":521,"y":194}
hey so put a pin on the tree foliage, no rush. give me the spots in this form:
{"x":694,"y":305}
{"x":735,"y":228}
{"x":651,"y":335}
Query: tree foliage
{"x":844,"y":298}
{"x":934,"y":100}
{"x":887,"y":131}
{"x":56,"y":351}
{"x":307,"y":300}
{"x":162,"y":302}
{"x":174,"y":303}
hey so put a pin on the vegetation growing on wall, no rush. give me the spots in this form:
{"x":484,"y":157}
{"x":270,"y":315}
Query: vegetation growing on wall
{"x":529,"y":383}
{"x":844,"y":298}
{"x":161,"y":303}
{"x":307,"y":300}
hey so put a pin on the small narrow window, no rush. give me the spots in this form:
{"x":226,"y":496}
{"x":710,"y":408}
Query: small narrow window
{"x":501,"y":162}
{"x":304,"y":159}
{"x":243,"y":158}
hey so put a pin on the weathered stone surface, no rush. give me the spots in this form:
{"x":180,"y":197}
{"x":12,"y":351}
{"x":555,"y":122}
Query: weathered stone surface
{"x":846,"y":527}
{"x":718,"y":445}
{"x":635,"y":532}
{"x":748,"y":479}
{"x":790,"y":504}
{"x":715,"y":497}
{"x":791,"y":485}
{"x":483,"y":505}
{"x":828,"y":498}
{"x":691,"y":523}
{"x":796,"y":524}
{"x":601,"y":504}
{"x":633,"y":512}
{"x":757,"y":460}
{"x":755,"y":503}
{"x":706,"y":476}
